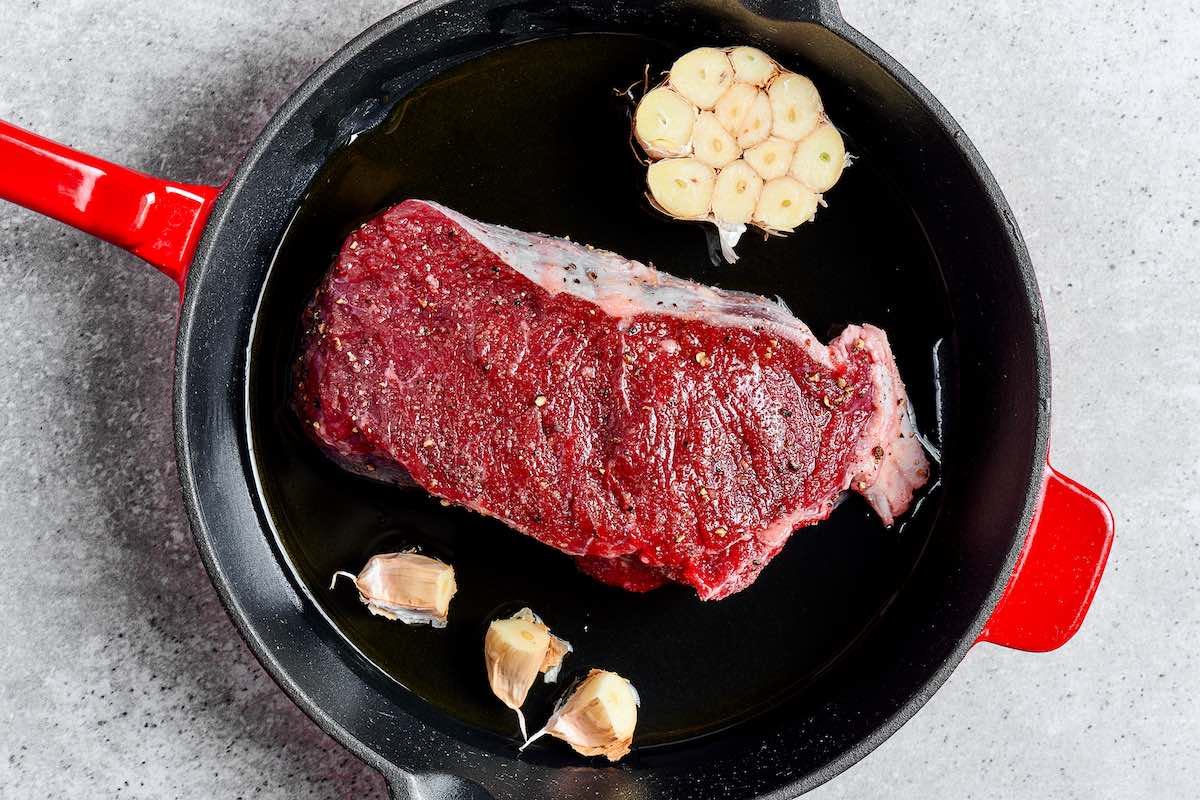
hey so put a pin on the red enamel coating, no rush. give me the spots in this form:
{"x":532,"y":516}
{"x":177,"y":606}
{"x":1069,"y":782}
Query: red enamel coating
{"x":1058,"y":571}
{"x":158,"y":220}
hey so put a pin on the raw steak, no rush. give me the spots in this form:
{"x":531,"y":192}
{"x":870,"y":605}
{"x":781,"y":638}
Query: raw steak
{"x":654,"y":428}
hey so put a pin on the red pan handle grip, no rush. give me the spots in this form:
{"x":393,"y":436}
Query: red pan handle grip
{"x":158,"y":220}
{"x":1058,"y":571}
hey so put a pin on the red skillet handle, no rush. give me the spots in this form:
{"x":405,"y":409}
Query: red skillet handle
{"x":157,"y":220}
{"x":1058,"y":571}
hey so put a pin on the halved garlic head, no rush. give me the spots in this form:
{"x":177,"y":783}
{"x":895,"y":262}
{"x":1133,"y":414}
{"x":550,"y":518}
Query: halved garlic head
{"x":702,"y":76}
{"x":408,"y":587}
{"x":682,"y":187}
{"x":598,"y":718}
{"x":820,"y":158}
{"x":663,"y":123}
{"x":515,"y":651}
{"x":721,"y":132}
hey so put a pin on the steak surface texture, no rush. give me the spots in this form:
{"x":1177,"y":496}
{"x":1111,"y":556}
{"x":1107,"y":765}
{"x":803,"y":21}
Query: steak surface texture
{"x":656,"y":429}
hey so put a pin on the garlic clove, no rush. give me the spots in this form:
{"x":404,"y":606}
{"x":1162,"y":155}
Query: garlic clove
{"x":756,"y":125}
{"x":408,"y":587}
{"x":702,"y":76}
{"x":784,"y":204}
{"x":598,"y":718}
{"x":752,"y":65}
{"x":795,"y":106}
{"x":731,"y":109}
{"x":513,"y":651}
{"x":682,"y":187}
{"x":663,"y":123}
{"x":771,"y":159}
{"x":735,"y":193}
{"x":820,"y":158}
{"x":713,"y":144}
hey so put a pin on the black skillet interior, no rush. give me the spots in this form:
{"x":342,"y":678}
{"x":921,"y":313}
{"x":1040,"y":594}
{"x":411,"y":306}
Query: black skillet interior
{"x":846,"y":631}
{"x":480,"y":139}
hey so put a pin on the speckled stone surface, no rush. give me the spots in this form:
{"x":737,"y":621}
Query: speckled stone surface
{"x":120,"y":675}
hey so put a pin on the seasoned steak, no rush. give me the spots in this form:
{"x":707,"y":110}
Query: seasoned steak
{"x":652,"y":427}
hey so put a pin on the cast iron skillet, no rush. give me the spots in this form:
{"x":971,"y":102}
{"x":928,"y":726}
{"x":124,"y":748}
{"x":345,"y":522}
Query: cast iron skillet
{"x":1003,"y":550}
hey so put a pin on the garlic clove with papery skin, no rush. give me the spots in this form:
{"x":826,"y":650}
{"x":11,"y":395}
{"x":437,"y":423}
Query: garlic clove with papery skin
{"x":408,"y":587}
{"x":515,"y":651}
{"x":597,"y":718}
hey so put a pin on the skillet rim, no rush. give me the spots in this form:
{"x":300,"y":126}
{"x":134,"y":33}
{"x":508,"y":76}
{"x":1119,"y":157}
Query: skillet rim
{"x":187,"y":429}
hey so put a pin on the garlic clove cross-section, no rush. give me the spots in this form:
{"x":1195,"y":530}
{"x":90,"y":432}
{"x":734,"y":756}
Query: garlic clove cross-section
{"x":735,"y":193}
{"x":713,"y":145}
{"x":785,"y":203}
{"x":772,"y":159}
{"x":597,"y":718}
{"x":408,"y":587}
{"x":752,"y":65}
{"x":663,"y":123}
{"x":733,"y":106}
{"x":820,"y":158}
{"x":702,"y":76}
{"x":756,"y":125}
{"x":682,"y":187}
{"x":795,"y":106}
{"x":515,"y":651}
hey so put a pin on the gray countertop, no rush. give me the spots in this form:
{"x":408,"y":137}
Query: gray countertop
{"x":120,"y":674}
